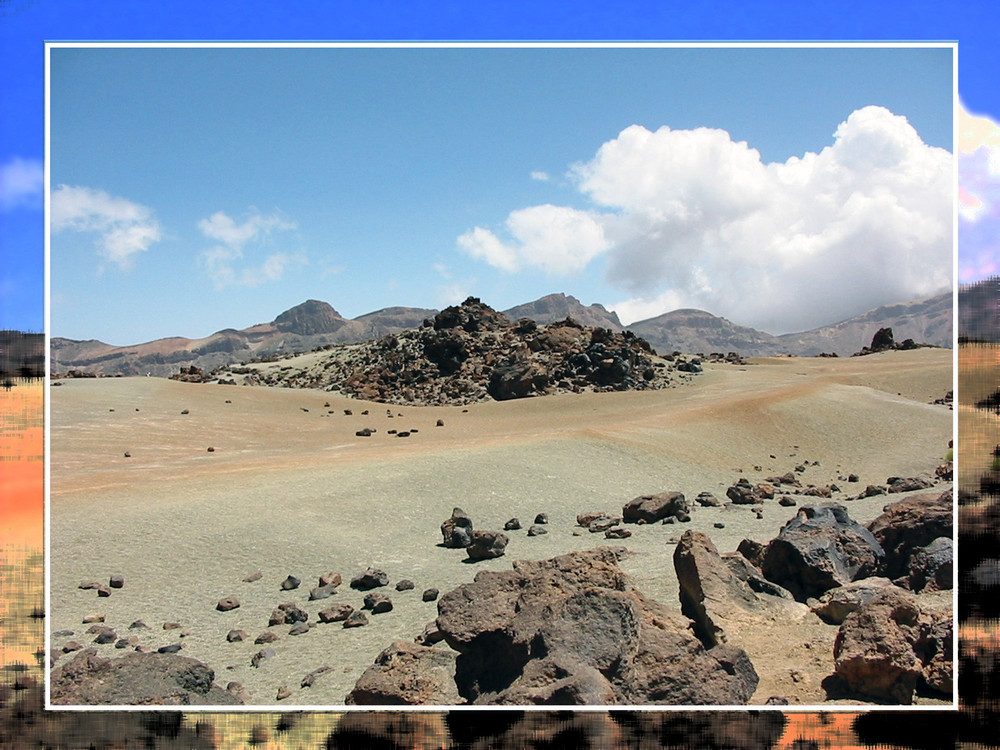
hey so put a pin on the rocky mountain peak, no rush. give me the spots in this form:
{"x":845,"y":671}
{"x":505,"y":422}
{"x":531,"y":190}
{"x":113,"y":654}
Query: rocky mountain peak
{"x":310,"y":318}
{"x":554,"y":307}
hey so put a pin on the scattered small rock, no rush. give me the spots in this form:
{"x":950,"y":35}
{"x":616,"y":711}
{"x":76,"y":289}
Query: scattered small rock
{"x":356,"y":619}
{"x":370,"y":579}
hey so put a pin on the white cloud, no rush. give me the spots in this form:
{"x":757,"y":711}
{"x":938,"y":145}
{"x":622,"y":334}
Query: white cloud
{"x":555,"y":239}
{"x":21,"y":183}
{"x":540,"y":176}
{"x":978,"y":196}
{"x":221,"y":261}
{"x":691,"y":218}
{"x":124,"y":227}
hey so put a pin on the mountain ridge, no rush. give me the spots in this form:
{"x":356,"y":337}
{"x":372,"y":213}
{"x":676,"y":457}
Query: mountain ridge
{"x":314,"y":324}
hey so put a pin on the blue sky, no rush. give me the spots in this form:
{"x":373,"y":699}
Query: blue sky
{"x":376,"y":177}
{"x":367,"y":223}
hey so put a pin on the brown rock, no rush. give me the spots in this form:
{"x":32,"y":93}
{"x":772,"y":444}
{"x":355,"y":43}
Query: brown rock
{"x":909,"y":524}
{"x":708,"y":588}
{"x":408,"y":674}
{"x":595,"y":636}
{"x":873,"y":651}
{"x":136,"y":679}
{"x":653,"y":508}
{"x":487,"y":545}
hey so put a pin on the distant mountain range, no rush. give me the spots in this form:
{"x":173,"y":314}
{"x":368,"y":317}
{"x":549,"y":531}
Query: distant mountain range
{"x":315,"y":324}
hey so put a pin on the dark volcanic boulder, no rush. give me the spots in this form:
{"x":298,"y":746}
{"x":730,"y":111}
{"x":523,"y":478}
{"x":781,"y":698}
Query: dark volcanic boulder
{"x":818,"y":549}
{"x":882,"y":340}
{"x":487,"y":544}
{"x":136,"y":679}
{"x":932,"y":567}
{"x":570,"y":630}
{"x":653,"y":508}
{"x":517,"y":379}
{"x":909,"y":524}
{"x":457,"y":530}
{"x":370,"y":579}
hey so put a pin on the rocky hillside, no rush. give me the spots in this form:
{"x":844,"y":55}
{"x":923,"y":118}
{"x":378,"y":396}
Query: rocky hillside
{"x":700,"y":331}
{"x":469,"y":353}
{"x":300,"y":329}
{"x":925,"y":321}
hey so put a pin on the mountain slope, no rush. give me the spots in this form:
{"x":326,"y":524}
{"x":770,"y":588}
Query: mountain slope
{"x":926,"y":320}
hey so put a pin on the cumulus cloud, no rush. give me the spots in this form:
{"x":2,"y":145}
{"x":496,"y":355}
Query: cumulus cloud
{"x":21,"y":183}
{"x":978,"y":196}
{"x":692,"y":218}
{"x":224,"y":262}
{"x":540,"y":176}
{"x":124,"y":227}
{"x":555,"y":239}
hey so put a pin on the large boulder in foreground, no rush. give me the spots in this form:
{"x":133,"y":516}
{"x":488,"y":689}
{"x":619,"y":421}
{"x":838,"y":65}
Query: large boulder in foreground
{"x":886,"y":647}
{"x":819,"y":549}
{"x":709,"y":590}
{"x":136,"y":679}
{"x":572,"y":631}
{"x":909,"y":524}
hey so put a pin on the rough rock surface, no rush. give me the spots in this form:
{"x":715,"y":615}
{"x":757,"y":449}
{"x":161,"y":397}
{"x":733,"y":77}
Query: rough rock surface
{"x":572,"y":631}
{"x":909,"y":524}
{"x":888,"y":645}
{"x":836,"y":604}
{"x":406,"y":673}
{"x":487,"y":544}
{"x":708,"y":588}
{"x":818,"y":549}
{"x":457,"y":530}
{"x":932,"y":567}
{"x":136,"y":679}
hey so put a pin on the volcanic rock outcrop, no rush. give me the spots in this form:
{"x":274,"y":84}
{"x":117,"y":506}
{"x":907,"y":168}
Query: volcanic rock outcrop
{"x":470,"y":352}
{"x":565,"y":631}
{"x":137,"y":679}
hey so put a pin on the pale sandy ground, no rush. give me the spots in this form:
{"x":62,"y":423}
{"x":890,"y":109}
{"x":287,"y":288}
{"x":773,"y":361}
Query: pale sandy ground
{"x":289,"y":491}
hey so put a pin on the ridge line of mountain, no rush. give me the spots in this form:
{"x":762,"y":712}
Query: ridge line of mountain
{"x":315,"y":323}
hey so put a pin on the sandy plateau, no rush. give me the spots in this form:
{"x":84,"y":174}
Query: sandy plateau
{"x":290,"y":489}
